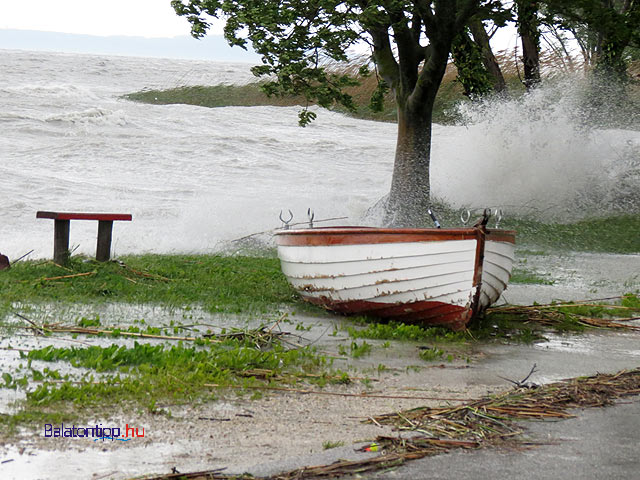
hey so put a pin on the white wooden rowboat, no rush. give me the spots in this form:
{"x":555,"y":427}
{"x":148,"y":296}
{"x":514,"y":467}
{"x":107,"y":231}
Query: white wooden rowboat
{"x":427,"y":275}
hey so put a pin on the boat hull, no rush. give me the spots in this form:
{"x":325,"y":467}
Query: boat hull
{"x":432,"y":276}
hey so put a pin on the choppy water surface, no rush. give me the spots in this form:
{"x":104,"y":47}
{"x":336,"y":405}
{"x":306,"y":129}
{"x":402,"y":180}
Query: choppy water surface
{"x":196,"y":177}
{"x":191,"y":176}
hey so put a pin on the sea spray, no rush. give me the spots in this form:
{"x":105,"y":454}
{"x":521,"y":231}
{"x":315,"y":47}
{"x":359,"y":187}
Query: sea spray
{"x":536,"y":156}
{"x":196,"y":178}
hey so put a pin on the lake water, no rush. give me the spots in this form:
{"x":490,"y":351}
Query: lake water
{"x":195,"y":178}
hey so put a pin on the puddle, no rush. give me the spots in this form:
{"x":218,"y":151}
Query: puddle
{"x":282,"y":429}
{"x":576,"y":276}
{"x":244,"y":434}
{"x":324,"y":332}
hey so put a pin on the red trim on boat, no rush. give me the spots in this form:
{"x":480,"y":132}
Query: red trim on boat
{"x":424,"y":312}
{"x":508,"y":236}
{"x":370,"y":235}
{"x":363,"y":236}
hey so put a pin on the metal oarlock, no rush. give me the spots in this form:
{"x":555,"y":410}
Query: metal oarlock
{"x":311,"y":214}
{"x":465,"y":216}
{"x":285,"y":223}
{"x":498,"y":212}
{"x":486,"y":215}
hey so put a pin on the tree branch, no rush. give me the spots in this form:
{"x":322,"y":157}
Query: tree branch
{"x":427,"y":16}
{"x":383,"y":56}
{"x":416,"y":25}
{"x":466,"y":10}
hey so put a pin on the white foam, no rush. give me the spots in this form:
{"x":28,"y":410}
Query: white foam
{"x":195,"y":177}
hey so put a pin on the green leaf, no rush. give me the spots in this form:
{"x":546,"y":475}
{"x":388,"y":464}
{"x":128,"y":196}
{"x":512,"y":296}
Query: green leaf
{"x":306,"y":117}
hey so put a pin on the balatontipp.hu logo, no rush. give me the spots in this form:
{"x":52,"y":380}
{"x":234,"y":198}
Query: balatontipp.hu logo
{"x":97,"y":432}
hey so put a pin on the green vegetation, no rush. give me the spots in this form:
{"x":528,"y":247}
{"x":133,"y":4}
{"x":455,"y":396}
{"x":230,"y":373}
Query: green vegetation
{"x":147,"y":375}
{"x":611,"y":235}
{"x":355,"y":350}
{"x":144,"y":374}
{"x":249,"y":95}
{"x":433,"y":354}
{"x":329,"y":444}
{"x":180,"y":363}
{"x":520,"y":275}
{"x":401,"y":331}
{"x":154,"y":373}
{"x":444,"y":338}
{"x":252,"y":95}
{"x":217,"y":283}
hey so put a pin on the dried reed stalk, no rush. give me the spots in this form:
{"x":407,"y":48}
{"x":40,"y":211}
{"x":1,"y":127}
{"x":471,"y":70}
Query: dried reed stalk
{"x":481,"y":423}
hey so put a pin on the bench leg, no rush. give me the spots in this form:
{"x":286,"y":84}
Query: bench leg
{"x":103,"y":250}
{"x":61,"y":241}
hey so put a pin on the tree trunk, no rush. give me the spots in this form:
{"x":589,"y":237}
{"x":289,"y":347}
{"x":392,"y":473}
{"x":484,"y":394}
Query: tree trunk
{"x":488,"y":58}
{"x":409,"y":197}
{"x":530,"y":37}
{"x":414,"y":72}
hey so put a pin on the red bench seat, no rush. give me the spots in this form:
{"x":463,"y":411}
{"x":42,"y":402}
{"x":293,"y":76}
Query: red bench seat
{"x":61,"y":232}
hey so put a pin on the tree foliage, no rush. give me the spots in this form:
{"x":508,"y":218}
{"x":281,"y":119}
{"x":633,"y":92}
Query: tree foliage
{"x":474,"y":77}
{"x":607,"y":28}
{"x":295,"y":38}
{"x":410,"y":43}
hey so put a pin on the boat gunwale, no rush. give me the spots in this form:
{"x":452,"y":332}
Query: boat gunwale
{"x":373,"y":235}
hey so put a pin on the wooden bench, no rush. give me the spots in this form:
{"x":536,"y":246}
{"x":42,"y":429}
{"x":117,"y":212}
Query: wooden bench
{"x":61,"y":232}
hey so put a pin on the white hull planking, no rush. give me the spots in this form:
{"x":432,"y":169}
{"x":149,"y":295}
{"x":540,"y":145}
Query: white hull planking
{"x":384,"y":272}
{"x":496,"y":270}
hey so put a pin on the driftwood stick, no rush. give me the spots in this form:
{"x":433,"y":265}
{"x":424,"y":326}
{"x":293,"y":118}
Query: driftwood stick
{"x":521,"y":383}
{"x":22,"y":257}
{"x":75,"y":275}
{"x":96,"y":331}
{"x":35,"y":326}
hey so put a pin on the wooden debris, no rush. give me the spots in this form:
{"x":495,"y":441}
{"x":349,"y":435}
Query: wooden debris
{"x":63,"y":277}
{"x":262,"y":337}
{"x":55,"y":327}
{"x":557,"y":314}
{"x":140,"y":273}
{"x":37,"y":329}
{"x":550,"y":401}
{"x":481,"y":423}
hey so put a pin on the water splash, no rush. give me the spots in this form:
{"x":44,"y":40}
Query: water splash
{"x":536,"y":155}
{"x":195,"y":178}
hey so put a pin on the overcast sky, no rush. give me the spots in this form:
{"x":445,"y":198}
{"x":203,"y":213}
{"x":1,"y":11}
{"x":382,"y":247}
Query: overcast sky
{"x":145,"y":18}
{"x":139,"y":18}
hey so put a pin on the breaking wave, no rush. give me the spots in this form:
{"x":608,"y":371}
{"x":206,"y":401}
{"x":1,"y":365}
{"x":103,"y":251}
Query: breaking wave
{"x":538,"y":155}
